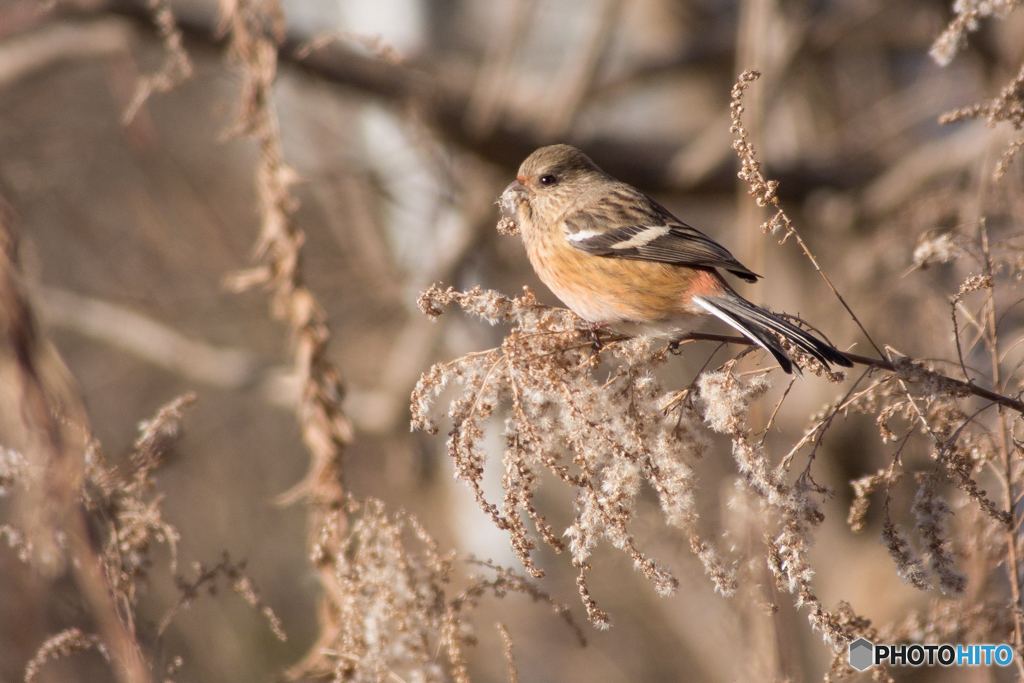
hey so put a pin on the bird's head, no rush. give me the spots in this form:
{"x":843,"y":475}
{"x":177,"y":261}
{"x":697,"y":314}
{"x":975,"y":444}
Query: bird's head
{"x":550,"y":179}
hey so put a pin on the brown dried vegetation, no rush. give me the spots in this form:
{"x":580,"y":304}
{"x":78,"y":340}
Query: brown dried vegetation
{"x":603,"y":438}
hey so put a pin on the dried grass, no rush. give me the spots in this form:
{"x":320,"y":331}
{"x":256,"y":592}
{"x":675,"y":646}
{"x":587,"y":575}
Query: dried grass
{"x":589,"y":411}
{"x":1008,"y":106}
{"x":384,"y":610}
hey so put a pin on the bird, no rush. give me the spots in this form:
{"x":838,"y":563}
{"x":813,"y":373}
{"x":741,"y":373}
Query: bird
{"x":619,"y":259}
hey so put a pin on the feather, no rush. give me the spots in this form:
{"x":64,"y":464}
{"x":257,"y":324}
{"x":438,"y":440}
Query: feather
{"x":646,"y":231}
{"x":760,"y":325}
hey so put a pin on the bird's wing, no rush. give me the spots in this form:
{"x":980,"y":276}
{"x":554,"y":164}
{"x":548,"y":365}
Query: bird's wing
{"x":643,"y":230}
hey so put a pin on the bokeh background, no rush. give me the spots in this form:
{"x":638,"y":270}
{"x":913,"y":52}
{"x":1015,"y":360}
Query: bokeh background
{"x":402,"y":136}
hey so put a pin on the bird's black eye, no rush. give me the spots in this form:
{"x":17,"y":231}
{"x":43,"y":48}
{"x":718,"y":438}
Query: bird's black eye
{"x":548,"y":180}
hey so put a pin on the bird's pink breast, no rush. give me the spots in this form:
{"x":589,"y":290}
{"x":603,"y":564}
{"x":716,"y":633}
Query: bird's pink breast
{"x":611,"y":290}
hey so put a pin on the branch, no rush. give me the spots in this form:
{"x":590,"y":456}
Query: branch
{"x":448,"y":104}
{"x":966,"y":387}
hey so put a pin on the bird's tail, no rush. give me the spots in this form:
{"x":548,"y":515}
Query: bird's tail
{"x":761,"y":327}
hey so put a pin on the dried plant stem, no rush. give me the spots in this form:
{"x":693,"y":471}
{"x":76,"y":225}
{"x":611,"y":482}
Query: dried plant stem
{"x":513,"y":675}
{"x":817,"y":432}
{"x":325,"y":429}
{"x":1012,"y":561}
{"x":1006,"y":107}
{"x":129,"y":663}
{"x":764,"y":191}
{"x":255,"y":31}
{"x":966,"y":387}
{"x":67,"y":642}
{"x":234,"y":574}
{"x":57,"y":510}
{"x":177,"y":66}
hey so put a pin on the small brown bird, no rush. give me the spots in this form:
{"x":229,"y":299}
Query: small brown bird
{"x":616,"y":257}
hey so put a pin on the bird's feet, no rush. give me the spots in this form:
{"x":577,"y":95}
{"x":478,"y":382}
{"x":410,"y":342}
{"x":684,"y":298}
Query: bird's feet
{"x":592,"y":330}
{"x":677,"y":342}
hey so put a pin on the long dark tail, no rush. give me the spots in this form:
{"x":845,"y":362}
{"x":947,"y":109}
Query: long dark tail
{"x":759,"y":324}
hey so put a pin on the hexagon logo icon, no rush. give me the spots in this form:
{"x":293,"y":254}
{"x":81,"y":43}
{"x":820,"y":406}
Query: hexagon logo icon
{"x":862,"y":653}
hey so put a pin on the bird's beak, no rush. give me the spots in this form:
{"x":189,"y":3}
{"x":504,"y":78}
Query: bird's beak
{"x":517,"y":187}
{"x":514,"y":195}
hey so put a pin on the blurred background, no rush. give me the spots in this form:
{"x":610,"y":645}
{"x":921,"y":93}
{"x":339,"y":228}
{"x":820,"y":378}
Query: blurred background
{"x":403,"y":131}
